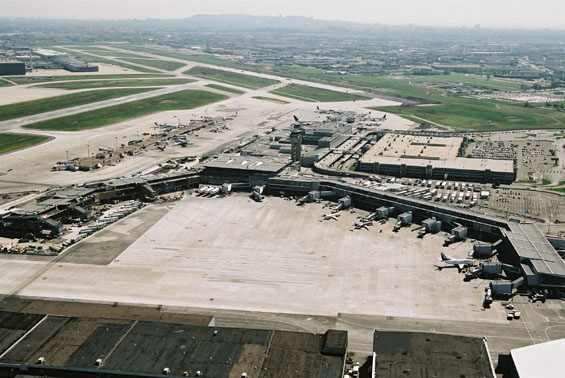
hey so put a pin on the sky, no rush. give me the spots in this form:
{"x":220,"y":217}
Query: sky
{"x":527,"y":14}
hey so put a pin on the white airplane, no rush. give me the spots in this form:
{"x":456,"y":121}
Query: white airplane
{"x":329,"y":216}
{"x":306,"y":123}
{"x":363,"y":224}
{"x":459,"y":263}
{"x":325,"y":111}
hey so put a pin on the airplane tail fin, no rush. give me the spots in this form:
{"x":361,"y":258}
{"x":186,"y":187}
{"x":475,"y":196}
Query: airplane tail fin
{"x":444,"y":257}
{"x":295,"y":118}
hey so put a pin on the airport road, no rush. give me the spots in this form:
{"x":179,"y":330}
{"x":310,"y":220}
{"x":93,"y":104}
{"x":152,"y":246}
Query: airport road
{"x":283,"y":80}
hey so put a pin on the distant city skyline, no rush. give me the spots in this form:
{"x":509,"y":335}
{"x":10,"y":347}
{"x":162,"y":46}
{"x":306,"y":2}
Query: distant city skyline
{"x":455,"y":13}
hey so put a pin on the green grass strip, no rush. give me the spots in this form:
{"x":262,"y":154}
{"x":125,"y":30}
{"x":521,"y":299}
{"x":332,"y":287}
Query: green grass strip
{"x":12,"y":142}
{"x":28,"y":108}
{"x":241,"y":80}
{"x":225,"y":89}
{"x":167,"y":65}
{"x":307,"y":93}
{"x":182,"y":100}
{"x":118,"y":83}
{"x":5,"y":83}
{"x":45,"y":79}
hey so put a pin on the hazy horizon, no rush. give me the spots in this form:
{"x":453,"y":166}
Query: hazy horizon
{"x":450,"y":13}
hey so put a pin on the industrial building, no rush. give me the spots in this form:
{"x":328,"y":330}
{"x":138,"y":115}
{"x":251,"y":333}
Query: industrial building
{"x":29,"y":60}
{"x":65,"y":346}
{"x":422,"y":354}
{"x":432,"y":157}
{"x":538,"y":360}
{"x":12,"y":67}
{"x":242,"y":169}
{"x":73,"y":64}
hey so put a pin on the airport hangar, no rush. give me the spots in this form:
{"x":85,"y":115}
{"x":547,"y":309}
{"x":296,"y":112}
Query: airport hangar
{"x":432,"y":157}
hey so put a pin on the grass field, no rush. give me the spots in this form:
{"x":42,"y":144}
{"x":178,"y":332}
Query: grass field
{"x":117,"y":83}
{"x":181,"y":100}
{"x":468,"y":114}
{"x":4,"y":83}
{"x":21,"y":80}
{"x":225,"y":89}
{"x":241,"y":80}
{"x":167,"y":65}
{"x":271,"y":99}
{"x":307,"y":93}
{"x":106,"y":52}
{"x":12,"y":142}
{"x":494,"y":84}
{"x":94,"y":59}
{"x":458,"y":113}
{"x":206,"y":59}
{"x":28,"y":108}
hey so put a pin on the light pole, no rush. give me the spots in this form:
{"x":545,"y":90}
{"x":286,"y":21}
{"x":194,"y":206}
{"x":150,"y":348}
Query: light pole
{"x":67,"y":155}
{"x":116,"y":142}
{"x":88,"y":150}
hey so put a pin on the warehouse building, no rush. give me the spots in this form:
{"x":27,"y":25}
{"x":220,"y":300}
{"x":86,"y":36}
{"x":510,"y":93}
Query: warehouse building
{"x":421,"y":354}
{"x":538,"y":360}
{"x":432,"y":157}
{"x":12,"y":67}
{"x":64,"y":346}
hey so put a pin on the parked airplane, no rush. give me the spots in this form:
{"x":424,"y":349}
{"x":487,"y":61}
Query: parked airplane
{"x":325,"y":111}
{"x":306,"y":123}
{"x":363,"y":224}
{"x":459,"y":263}
{"x":329,"y":216}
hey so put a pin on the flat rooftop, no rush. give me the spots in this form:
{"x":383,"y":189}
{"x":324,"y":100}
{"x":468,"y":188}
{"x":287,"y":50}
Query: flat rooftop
{"x":540,"y":360}
{"x":421,"y":151}
{"x":420,"y":146}
{"x":148,"y":347}
{"x":421,"y":354}
{"x":531,"y":244}
{"x":248,"y":163}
